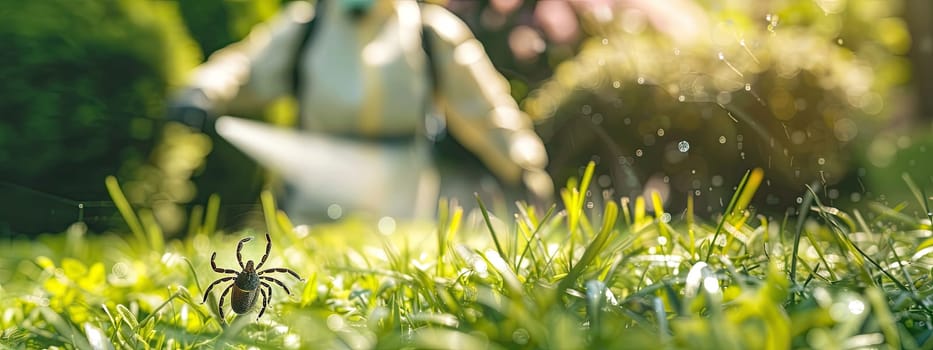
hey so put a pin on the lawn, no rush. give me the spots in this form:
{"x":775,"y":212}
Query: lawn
{"x":588,"y":273}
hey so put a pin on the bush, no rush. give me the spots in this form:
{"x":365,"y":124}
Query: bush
{"x":84,"y":88}
{"x":785,"y":86}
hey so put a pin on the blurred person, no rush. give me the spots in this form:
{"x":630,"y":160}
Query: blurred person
{"x":367,"y":76}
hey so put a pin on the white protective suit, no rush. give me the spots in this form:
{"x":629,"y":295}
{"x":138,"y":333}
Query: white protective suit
{"x":365,"y":81}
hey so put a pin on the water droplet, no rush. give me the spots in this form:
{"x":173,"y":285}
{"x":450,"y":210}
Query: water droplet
{"x":660,"y":132}
{"x":604,"y":181}
{"x":616,"y":84}
{"x":676,"y":52}
{"x":742,"y":42}
{"x":821,"y":161}
{"x":717,"y":180}
{"x":597,"y":118}
{"x":683,"y":147}
{"x":334,"y":211}
{"x":639,"y":152}
{"x":641,"y":80}
{"x":840,"y":41}
{"x":605,"y":41}
{"x":697,"y":193}
{"x":386,"y":225}
{"x":586,"y":109}
{"x":799,"y":200}
{"x":722,"y":139}
{"x":665,"y":218}
{"x":681,"y":98}
{"x":748,"y":87}
{"x":721,"y":56}
{"x":520,"y":336}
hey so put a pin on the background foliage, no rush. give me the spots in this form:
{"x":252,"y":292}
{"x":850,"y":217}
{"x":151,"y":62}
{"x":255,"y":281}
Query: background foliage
{"x":813,"y":91}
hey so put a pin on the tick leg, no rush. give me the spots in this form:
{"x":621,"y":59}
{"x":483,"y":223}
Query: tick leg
{"x":265,"y":298}
{"x":267,"y":278}
{"x":266,"y":255}
{"x":208,"y":290}
{"x":221,"y":270}
{"x":239,"y":247}
{"x":220,"y":306}
{"x":283,"y":270}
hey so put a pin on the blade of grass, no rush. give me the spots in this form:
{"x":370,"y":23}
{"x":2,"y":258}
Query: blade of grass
{"x":126,"y":210}
{"x":725,"y":216}
{"x":492,"y":231}
{"x":596,"y":246}
{"x":211,"y":214}
{"x":920,"y":195}
{"x":801,"y":219}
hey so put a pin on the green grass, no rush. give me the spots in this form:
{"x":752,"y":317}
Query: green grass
{"x":583,"y":277}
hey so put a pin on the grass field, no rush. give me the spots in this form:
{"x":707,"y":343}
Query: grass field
{"x":624,"y":274}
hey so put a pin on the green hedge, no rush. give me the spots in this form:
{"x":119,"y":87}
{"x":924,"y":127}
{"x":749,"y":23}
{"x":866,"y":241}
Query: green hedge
{"x":84,"y":88}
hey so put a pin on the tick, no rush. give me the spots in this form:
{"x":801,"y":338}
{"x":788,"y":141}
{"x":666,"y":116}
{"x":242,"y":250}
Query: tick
{"x":249,"y":283}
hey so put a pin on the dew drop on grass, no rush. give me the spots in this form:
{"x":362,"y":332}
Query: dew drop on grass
{"x":799,"y":200}
{"x":604,"y":180}
{"x":335,"y":322}
{"x":681,"y":98}
{"x":639,"y":152}
{"x":722,"y":139}
{"x":386,"y":225}
{"x":597,"y":118}
{"x":855,"y":197}
{"x":660,"y":132}
{"x":748,"y":87}
{"x":616,"y":84}
{"x":683,"y":147}
{"x":334,"y":211}
{"x":821,"y":161}
{"x":641,"y":80}
{"x":721,"y":56}
{"x":717,"y":180}
{"x":520,"y":336}
{"x":665,"y":218}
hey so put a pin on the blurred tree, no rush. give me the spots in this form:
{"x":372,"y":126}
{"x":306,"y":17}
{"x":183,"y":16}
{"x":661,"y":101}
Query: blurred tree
{"x":84,"y":85}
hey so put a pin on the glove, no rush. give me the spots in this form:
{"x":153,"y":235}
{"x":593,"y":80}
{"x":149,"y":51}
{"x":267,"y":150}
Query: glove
{"x":191,"y":108}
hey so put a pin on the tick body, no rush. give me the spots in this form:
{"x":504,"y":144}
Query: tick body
{"x":249,"y":283}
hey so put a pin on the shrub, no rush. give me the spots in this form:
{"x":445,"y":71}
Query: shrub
{"x":84,"y":85}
